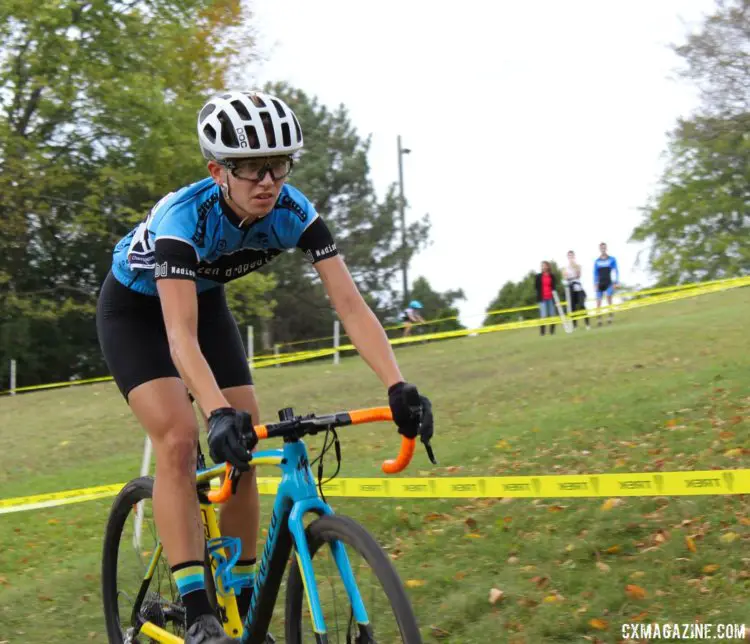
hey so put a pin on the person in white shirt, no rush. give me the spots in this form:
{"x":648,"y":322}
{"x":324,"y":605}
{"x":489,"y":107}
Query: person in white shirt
{"x":572,"y":280}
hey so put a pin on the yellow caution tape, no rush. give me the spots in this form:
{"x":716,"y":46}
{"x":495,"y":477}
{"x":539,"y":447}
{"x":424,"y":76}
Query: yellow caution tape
{"x":660,"y":296}
{"x":705,"y":483}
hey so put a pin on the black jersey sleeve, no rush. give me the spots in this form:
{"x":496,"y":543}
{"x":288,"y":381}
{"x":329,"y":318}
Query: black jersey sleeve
{"x":317,"y":242}
{"x":175,"y":259}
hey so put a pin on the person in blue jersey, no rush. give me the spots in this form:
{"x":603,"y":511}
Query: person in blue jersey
{"x":605,"y":282}
{"x":168,"y":336}
{"x":411,"y":316}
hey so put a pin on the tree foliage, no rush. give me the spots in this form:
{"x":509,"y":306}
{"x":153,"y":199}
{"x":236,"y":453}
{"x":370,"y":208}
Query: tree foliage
{"x":97,"y":115}
{"x":334,"y":173}
{"x":697,"y":225}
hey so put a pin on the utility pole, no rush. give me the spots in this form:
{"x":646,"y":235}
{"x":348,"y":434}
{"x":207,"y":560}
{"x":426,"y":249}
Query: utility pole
{"x":402,"y":205}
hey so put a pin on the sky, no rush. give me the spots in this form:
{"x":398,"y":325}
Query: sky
{"x":534,"y":127}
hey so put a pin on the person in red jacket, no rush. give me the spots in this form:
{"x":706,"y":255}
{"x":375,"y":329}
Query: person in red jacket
{"x":545,"y":286}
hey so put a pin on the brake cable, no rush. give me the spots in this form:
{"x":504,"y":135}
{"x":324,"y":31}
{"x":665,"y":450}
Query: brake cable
{"x":335,"y":443}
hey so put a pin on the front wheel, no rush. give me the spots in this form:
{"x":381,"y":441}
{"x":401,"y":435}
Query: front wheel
{"x":387,"y":604}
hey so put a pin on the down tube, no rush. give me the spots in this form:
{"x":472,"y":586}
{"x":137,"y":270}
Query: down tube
{"x":304,"y":560}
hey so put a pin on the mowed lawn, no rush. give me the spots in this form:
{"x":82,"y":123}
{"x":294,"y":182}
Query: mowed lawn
{"x":665,"y":388}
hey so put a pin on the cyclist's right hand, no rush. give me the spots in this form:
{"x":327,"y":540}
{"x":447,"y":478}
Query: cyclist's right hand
{"x":231,"y":437}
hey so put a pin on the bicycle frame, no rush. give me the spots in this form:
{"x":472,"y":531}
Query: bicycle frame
{"x":297,"y":496}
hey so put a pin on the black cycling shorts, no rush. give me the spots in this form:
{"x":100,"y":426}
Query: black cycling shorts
{"x":134,"y":340}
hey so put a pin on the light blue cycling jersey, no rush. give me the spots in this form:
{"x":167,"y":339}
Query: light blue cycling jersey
{"x":197,"y":215}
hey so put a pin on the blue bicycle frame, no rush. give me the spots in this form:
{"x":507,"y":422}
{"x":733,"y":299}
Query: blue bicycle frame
{"x":297,"y":496}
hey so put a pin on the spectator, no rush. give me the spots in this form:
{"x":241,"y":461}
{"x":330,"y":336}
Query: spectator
{"x":545,"y":286}
{"x":604,"y":283}
{"x":411,"y":316}
{"x":576,"y":295}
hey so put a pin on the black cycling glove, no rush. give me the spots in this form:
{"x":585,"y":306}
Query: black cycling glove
{"x":231,"y":437}
{"x":411,"y":411}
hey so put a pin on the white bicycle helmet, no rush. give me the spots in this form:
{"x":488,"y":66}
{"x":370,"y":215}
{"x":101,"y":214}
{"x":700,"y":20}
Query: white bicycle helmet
{"x":236,"y":125}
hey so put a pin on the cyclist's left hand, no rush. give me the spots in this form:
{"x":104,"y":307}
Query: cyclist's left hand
{"x":411,"y":411}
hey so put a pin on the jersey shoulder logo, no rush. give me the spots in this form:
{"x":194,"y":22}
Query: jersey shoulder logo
{"x":199,"y":236}
{"x":287,"y":203}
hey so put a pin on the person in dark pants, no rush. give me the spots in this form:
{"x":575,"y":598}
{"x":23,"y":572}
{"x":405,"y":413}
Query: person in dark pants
{"x":572,"y":279}
{"x":545,"y":286}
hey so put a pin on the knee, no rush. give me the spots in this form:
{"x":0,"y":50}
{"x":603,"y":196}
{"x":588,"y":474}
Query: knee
{"x":177,"y":448}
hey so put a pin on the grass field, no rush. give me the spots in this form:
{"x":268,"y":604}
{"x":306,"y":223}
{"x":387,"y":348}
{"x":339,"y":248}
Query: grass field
{"x":665,"y":388}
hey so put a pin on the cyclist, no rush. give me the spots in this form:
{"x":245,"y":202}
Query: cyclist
{"x":168,"y":336}
{"x":604,"y":283}
{"x":411,"y":316}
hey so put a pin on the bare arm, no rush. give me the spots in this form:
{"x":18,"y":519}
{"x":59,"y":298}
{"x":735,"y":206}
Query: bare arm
{"x":359,"y":321}
{"x":179,"y":304}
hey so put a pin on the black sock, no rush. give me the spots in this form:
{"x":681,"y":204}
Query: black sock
{"x":190,"y":580}
{"x":246,"y":568}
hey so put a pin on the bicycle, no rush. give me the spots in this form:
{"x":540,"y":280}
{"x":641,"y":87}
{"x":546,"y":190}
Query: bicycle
{"x":153,"y":616}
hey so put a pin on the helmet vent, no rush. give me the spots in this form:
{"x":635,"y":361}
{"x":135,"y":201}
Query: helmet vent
{"x":286,"y":136}
{"x":210,"y":133}
{"x":241,"y":110}
{"x":228,"y":135}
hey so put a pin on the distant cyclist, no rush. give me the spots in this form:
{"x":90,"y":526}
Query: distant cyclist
{"x":604,"y":281}
{"x":572,"y":279}
{"x":166,"y":331}
{"x":411,"y":316}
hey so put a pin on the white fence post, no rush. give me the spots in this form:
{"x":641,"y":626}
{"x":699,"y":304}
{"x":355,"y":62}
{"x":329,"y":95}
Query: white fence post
{"x":145,"y":466}
{"x":12,"y":377}
{"x":276,"y":353}
{"x":336,"y":338}
{"x":250,"y":347}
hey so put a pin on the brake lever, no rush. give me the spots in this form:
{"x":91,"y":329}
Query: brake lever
{"x":430,"y":453}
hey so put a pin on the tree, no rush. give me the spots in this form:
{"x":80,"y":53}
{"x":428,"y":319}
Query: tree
{"x":437,"y":305}
{"x":519,"y":294}
{"x":97,"y":121}
{"x":334,"y":173}
{"x":697,"y":224}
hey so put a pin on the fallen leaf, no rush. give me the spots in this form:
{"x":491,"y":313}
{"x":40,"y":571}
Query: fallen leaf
{"x":613,"y":550}
{"x":435,"y":516}
{"x":602,"y":566}
{"x":502,"y":444}
{"x":552,"y":599}
{"x":690,"y":543}
{"x":745,"y":521}
{"x":496,"y":595}
{"x":513,"y":560}
{"x":710,"y":568}
{"x":728,"y":537}
{"x":725,"y":436}
{"x":637,"y":574}
{"x":473,"y":535}
{"x":599,"y":624}
{"x":635,"y":592}
{"x":415,"y":583}
{"x":459,"y":575}
{"x":439,"y":632}
{"x":452,"y":469}
{"x":471,"y":524}
{"x":540,"y":582}
{"x":555,"y":508}
{"x":736,"y":451}
{"x":610,"y":504}
{"x":639,"y":617}
{"x":53,"y":522}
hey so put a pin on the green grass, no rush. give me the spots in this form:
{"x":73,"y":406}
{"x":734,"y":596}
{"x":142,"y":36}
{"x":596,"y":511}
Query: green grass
{"x":666,"y":387}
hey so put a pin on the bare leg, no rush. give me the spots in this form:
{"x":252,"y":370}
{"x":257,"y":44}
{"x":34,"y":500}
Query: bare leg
{"x":163,"y":408}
